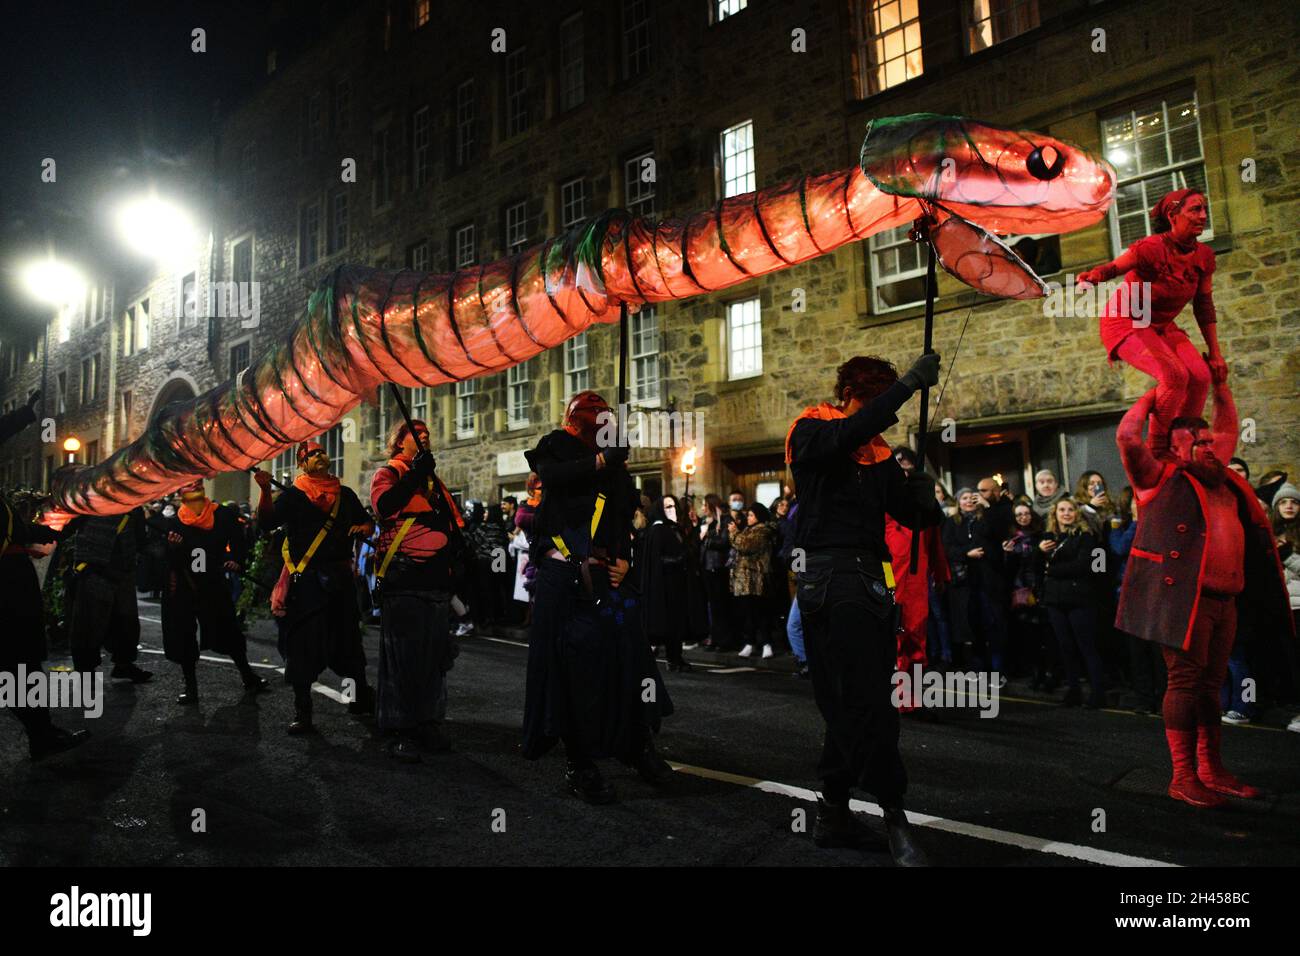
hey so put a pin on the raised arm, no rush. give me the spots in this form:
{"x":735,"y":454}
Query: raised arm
{"x":1109,"y":270}
{"x":1225,"y":421}
{"x":1142,"y":467}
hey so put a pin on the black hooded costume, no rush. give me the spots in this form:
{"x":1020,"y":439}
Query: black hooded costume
{"x":672,"y":592}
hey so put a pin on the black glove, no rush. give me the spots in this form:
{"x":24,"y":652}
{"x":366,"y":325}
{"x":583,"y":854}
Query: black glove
{"x":615,"y":455}
{"x":924,"y":371}
{"x":33,"y":398}
{"x":422,"y":464}
{"x":920,"y":486}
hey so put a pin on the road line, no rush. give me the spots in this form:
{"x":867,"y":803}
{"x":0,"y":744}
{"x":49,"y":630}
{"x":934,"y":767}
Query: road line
{"x":736,"y":670}
{"x":1023,"y":841}
{"x":216,"y":660}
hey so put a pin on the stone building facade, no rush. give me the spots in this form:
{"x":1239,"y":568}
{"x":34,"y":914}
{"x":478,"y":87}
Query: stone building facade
{"x":469,"y":142}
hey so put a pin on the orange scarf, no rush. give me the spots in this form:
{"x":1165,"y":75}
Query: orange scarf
{"x":319,"y":491}
{"x":872,"y":453}
{"x":201,"y":520}
{"x":420,"y":502}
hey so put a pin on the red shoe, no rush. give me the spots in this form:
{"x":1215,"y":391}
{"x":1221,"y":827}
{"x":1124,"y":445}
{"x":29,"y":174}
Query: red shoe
{"x":1185,"y":786}
{"x":1210,"y":770}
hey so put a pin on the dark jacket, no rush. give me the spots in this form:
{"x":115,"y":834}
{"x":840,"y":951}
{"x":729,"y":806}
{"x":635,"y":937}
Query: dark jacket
{"x":1024,"y":563}
{"x":570,"y":485}
{"x":842,"y":503}
{"x":716,"y":546}
{"x":1162,"y":585}
{"x":1069,"y":580}
{"x":964,"y":536}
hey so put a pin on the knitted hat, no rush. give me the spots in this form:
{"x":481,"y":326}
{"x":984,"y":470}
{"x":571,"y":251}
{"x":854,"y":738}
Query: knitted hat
{"x":1288,"y":490}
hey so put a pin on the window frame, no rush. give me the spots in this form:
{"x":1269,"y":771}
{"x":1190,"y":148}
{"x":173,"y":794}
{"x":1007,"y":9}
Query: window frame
{"x":732,"y":375}
{"x":745,"y":180}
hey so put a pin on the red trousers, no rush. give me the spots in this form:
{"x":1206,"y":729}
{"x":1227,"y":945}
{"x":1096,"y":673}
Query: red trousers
{"x":1196,"y":674}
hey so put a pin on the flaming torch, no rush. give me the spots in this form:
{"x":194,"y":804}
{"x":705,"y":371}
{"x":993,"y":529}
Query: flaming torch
{"x":688,"y":468}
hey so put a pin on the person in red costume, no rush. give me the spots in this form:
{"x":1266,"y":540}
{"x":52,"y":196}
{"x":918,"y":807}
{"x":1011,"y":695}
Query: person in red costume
{"x":1176,"y":269}
{"x":1202,"y":542}
{"x":912,"y":591}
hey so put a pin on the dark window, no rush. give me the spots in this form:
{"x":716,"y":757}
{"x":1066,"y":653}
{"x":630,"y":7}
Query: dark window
{"x":308,"y":234}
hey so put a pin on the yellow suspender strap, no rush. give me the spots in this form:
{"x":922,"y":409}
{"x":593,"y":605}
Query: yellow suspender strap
{"x":595,"y":523}
{"x":889,"y":574}
{"x":392,"y":548}
{"x":316,"y":541}
{"x":81,"y":566}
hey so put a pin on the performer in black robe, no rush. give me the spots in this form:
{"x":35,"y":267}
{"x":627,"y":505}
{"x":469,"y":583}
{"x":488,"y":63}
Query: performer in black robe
{"x":22,"y":638}
{"x":847,"y":479}
{"x":322,"y":624}
{"x":204,"y":540}
{"x":592,"y":681}
{"x":672,"y":596}
{"x":419,"y":552}
{"x":100,"y":580}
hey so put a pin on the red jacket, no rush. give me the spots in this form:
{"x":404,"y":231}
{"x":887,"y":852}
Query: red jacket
{"x":1162,"y":583}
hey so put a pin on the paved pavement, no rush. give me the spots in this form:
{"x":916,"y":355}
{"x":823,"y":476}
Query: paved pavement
{"x":1035,"y":786}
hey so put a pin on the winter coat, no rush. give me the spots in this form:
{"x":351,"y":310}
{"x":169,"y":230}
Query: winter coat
{"x":753,"y":564}
{"x":1069,"y":580}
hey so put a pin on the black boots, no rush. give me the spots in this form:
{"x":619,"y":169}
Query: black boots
{"x":902,"y":842}
{"x":652,"y":767}
{"x":586,"y":781}
{"x":301,"y":723}
{"x":364,"y":705}
{"x":190,"y":695}
{"x":52,"y":740}
{"x":839,"y":827}
{"x":130,"y":672}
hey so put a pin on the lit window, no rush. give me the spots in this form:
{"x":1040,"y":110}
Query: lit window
{"x":738,"y":159}
{"x":727,"y":8}
{"x":573,"y":89}
{"x":577,"y":375}
{"x":573,"y":202}
{"x":516,"y":227}
{"x":142,"y":326}
{"x":466,"y":391}
{"x":464,"y":245}
{"x":332,"y":441}
{"x":128,"y":331}
{"x":421,"y":13}
{"x":516,"y":93}
{"x":888,"y":44}
{"x":639,"y":175}
{"x":744,"y":339}
{"x":636,"y":37}
{"x":1155,"y":147}
{"x":189,"y":298}
{"x":519,"y":395}
{"x":422,"y":143}
{"x":644,"y":343}
{"x":992,"y":21}
{"x":897,"y":270}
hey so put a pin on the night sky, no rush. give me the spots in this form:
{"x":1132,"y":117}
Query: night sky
{"x":113,"y":92}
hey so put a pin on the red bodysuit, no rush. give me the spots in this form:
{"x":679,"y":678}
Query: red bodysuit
{"x":1170,"y":277}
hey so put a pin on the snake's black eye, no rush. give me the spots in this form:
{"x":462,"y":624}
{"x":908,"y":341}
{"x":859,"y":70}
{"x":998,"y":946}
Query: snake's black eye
{"x":1045,"y":162}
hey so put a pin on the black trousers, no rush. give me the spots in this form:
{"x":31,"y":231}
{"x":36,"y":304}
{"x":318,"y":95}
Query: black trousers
{"x":717,"y":590}
{"x":104,"y":614}
{"x":851,"y":654}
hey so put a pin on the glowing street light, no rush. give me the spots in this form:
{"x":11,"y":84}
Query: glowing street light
{"x":157,"y":229}
{"x":72,"y":445}
{"x":53,"y":282}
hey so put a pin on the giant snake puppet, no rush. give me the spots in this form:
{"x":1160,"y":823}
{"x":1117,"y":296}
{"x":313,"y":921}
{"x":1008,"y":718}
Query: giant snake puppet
{"x":968,"y":182}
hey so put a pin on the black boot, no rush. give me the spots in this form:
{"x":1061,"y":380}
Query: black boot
{"x":902,"y":842}
{"x":252,"y":683}
{"x":55,"y":740}
{"x":190,"y":695}
{"x":839,"y":827}
{"x":652,"y":767}
{"x":130,"y":672}
{"x":587,"y":782}
{"x":301,"y":723}
{"x":405,"y":747}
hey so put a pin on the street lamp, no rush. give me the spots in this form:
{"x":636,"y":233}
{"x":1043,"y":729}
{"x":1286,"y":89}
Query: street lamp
{"x":157,"y":229}
{"x":72,"y":445}
{"x":688,"y":469}
{"x":53,"y":283}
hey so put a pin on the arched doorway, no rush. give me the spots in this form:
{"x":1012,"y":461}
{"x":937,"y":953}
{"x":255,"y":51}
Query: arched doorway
{"x":179,"y":388}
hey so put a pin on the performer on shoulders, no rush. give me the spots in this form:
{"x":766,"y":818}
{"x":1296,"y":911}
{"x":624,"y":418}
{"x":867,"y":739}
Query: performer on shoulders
{"x":1176,"y":268}
{"x":322,"y":624}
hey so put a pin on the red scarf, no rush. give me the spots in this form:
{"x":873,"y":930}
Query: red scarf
{"x":202,"y":519}
{"x":872,"y":453}
{"x":420,"y":502}
{"x":319,"y":491}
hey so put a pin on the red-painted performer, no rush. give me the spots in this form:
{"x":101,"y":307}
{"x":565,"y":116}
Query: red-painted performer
{"x":912,"y":591}
{"x":1203,"y":540}
{"x":1175,"y":269}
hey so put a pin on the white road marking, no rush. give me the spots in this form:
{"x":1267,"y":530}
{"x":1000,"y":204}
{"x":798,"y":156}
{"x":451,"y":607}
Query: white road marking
{"x":319,"y":688}
{"x":1023,"y":841}
{"x":736,"y":670}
